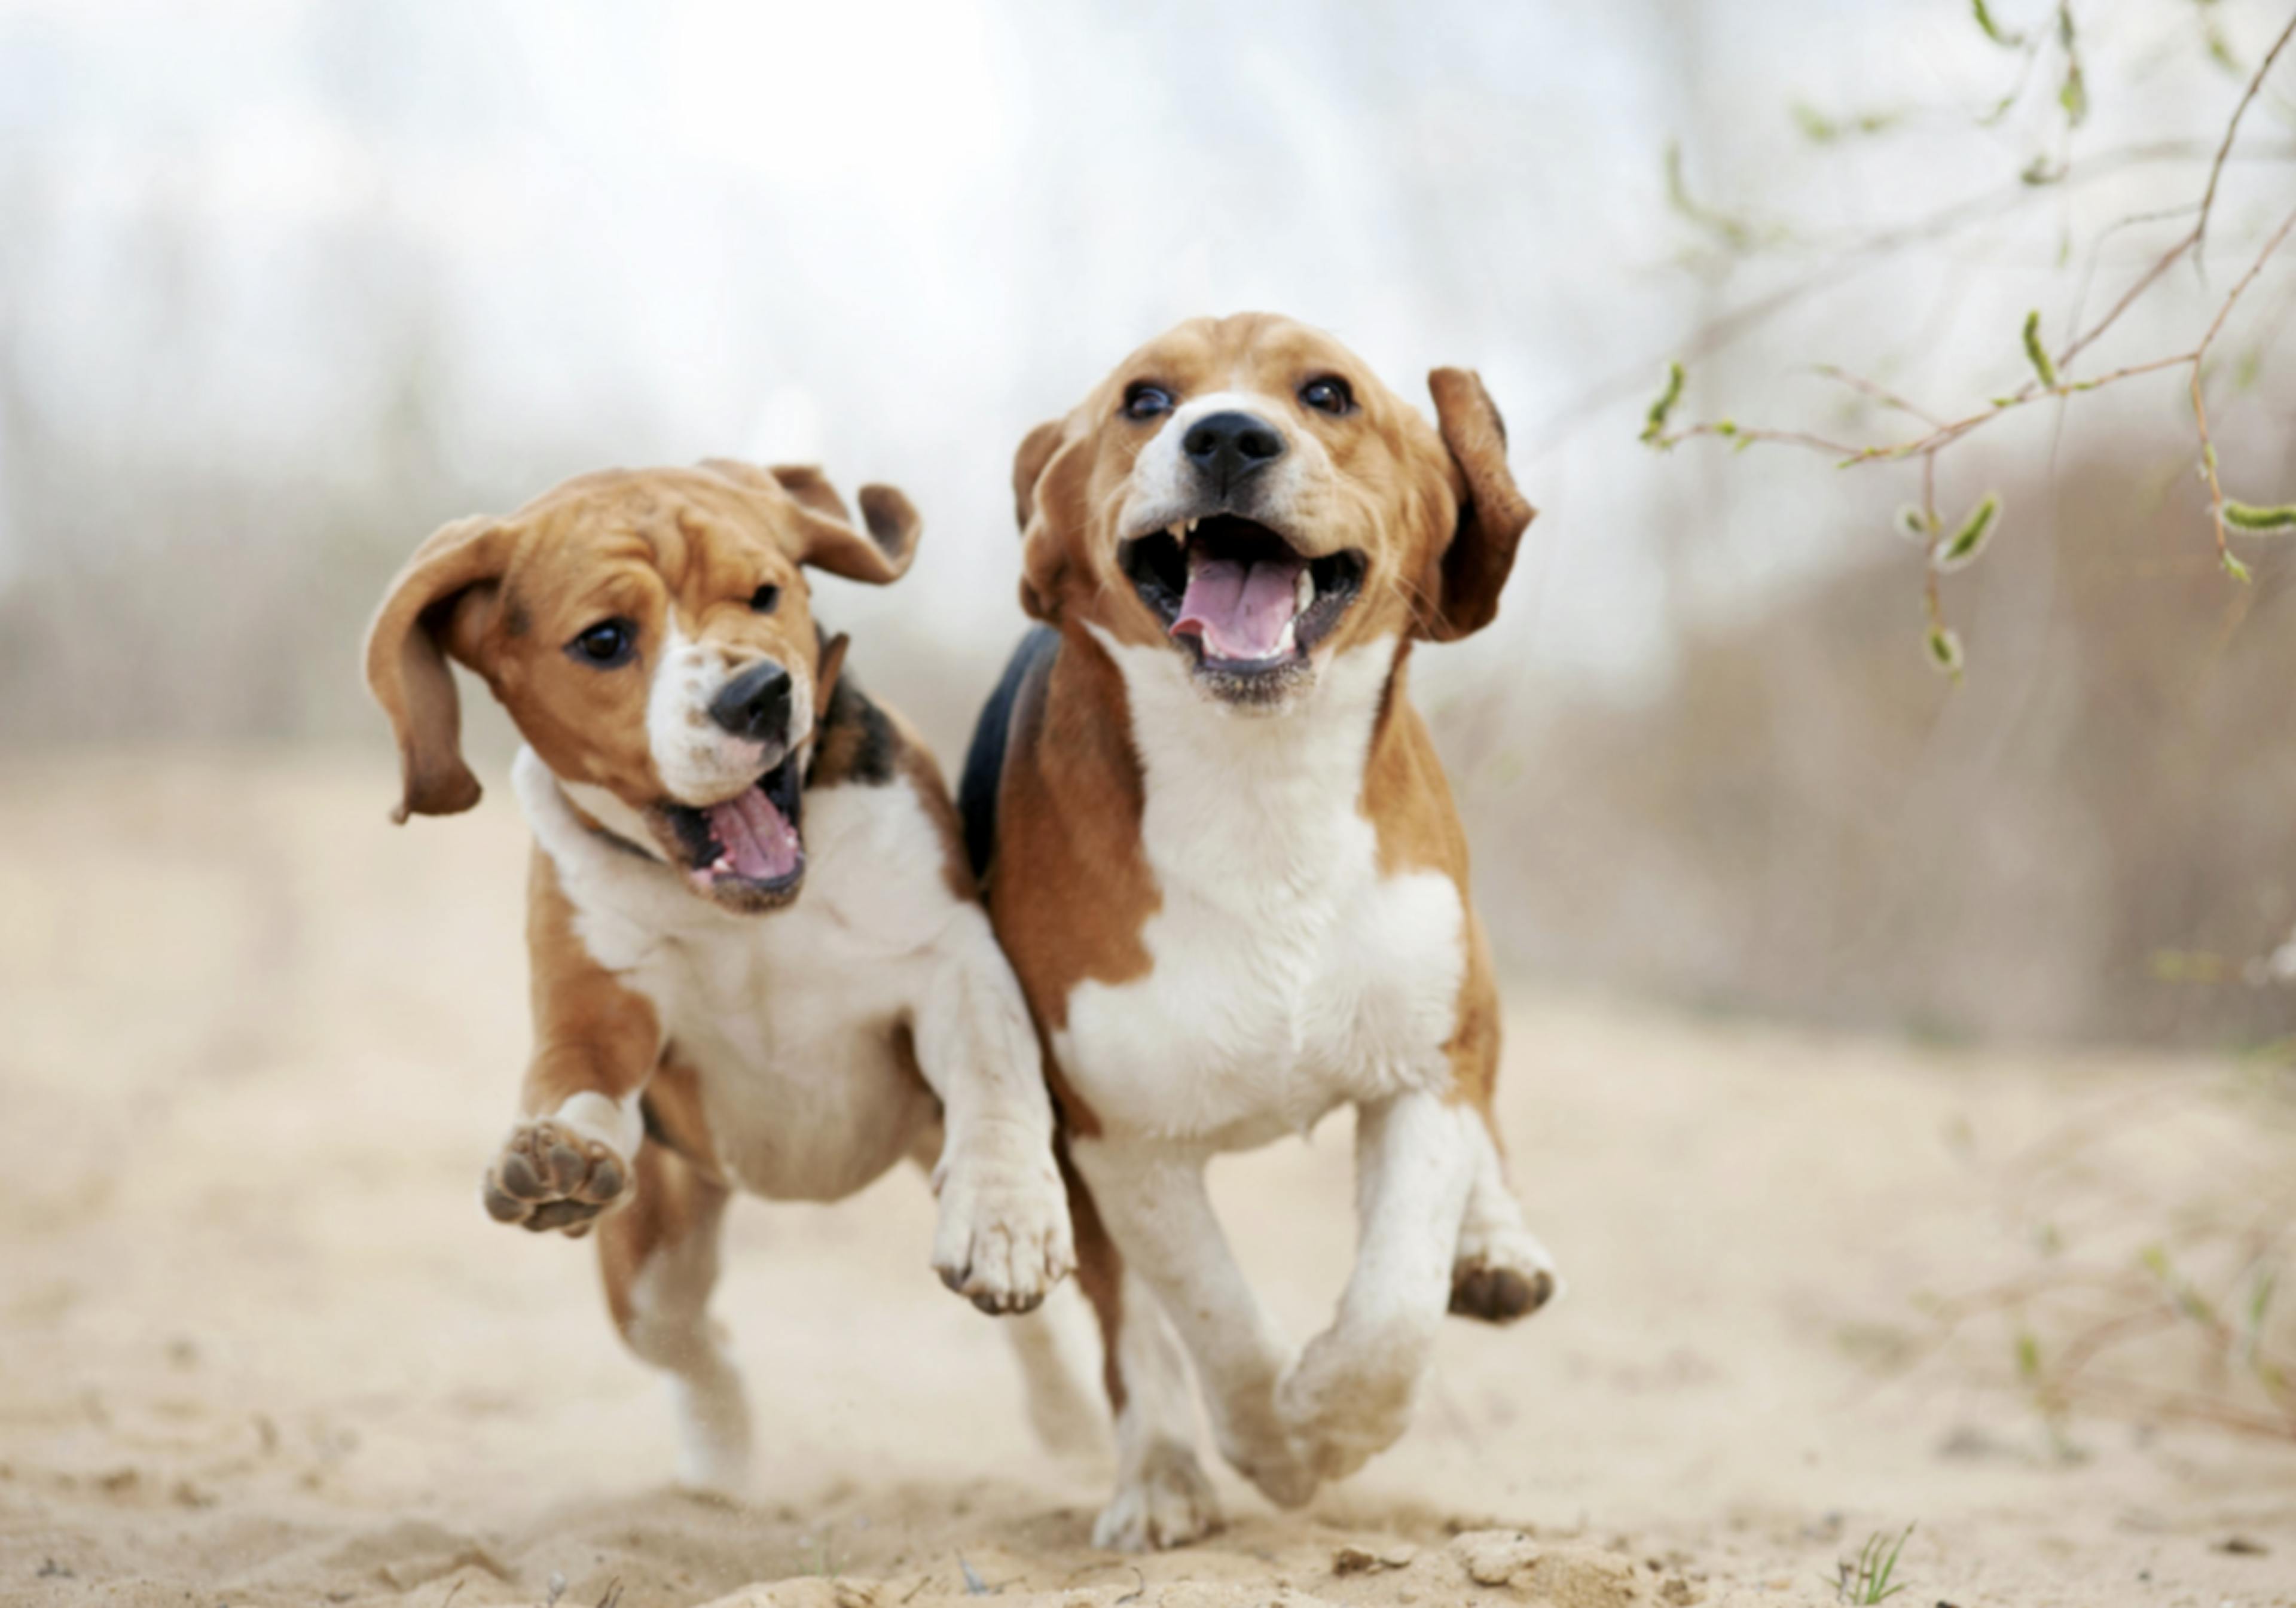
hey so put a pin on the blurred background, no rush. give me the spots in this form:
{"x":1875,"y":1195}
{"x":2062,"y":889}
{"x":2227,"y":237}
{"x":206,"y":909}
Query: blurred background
{"x":285,"y":284}
{"x":1902,"y":1063}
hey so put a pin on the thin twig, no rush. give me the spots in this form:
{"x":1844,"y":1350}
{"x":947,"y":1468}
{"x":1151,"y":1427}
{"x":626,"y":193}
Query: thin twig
{"x":2199,"y":405}
{"x":1887,"y":398}
{"x":1946,"y":435}
{"x":1849,"y":258}
{"x":1725,"y":429}
{"x":2224,"y":151}
{"x":2193,"y":240}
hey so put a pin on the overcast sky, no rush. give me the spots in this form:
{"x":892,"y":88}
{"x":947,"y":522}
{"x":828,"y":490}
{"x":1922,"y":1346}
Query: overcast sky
{"x":894,"y":236}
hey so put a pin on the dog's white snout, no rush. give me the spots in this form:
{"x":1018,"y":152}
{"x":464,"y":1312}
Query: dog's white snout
{"x":715,"y":722}
{"x":1224,"y":445}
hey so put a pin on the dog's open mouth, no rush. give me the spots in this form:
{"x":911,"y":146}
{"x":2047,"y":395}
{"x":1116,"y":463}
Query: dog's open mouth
{"x":1241,"y":595}
{"x":745,"y":849}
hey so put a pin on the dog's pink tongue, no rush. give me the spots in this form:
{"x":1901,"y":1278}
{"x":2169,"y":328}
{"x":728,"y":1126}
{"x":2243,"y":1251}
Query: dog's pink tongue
{"x":1240,"y":611}
{"x":759,"y":841}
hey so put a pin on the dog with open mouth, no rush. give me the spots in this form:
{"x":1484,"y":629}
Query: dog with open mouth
{"x":1220,"y":852}
{"x":758,"y":957}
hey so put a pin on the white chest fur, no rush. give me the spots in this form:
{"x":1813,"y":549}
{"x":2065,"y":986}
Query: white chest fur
{"x":791,"y":1019}
{"x":1288,"y":975}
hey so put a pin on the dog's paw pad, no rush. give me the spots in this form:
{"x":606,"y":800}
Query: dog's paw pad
{"x":1499,"y":1294}
{"x":550,"y":1177}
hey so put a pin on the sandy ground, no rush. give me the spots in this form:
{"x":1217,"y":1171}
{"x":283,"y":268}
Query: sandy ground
{"x":259,"y":1344}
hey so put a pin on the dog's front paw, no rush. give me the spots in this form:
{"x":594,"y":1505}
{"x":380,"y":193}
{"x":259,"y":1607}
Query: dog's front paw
{"x":1350,"y":1397}
{"x":1274,"y":1464}
{"x":548,"y":1177}
{"x":1249,"y":1429}
{"x":1004,"y":1240}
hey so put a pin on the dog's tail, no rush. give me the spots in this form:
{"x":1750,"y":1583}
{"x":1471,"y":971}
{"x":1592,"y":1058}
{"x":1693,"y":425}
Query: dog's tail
{"x":984,"y":760}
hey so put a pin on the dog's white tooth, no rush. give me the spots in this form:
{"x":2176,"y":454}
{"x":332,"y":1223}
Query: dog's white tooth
{"x":1192,"y":524}
{"x":1286,"y":643}
{"x":1303,"y":590}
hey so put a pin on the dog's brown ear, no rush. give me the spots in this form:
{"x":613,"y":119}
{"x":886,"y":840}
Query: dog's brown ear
{"x":880,"y":557}
{"x":1037,"y":450}
{"x":434,"y":607}
{"x":878,"y":554}
{"x":1462,"y":585}
{"x":806,"y":484}
{"x":1044,"y":562}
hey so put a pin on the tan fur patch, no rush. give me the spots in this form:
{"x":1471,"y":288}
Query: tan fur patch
{"x":675,"y":1116}
{"x":1407,"y":800}
{"x":1100,"y":1276}
{"x":591,"y":1034}
{"x":672,"y":1202}
{"x":1069,"y":888}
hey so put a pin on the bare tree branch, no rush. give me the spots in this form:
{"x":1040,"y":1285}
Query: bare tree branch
{"x":2051,"y":378}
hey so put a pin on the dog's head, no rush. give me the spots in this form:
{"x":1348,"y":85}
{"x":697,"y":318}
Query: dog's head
{"x":650,"y":633}
{"x":1246,"y":490}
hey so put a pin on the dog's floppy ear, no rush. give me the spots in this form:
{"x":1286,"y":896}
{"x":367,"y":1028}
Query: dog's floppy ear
{"x":1037,"y":450}
{"x":434,"y":607}
{"x":1043,"y":562}
{"x":1463,"y":577}
{"x":879,"y":554}
{"x":806,"y":484}
{"x":880,"y":557}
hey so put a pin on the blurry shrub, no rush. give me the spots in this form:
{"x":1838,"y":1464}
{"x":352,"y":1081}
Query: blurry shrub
{"x":2091,"y":836}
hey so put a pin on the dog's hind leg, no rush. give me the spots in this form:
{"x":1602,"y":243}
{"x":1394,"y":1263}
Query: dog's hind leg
{"x":1060,"y":1405}
{"x":1152,"y":1200}
{"x":1044,"y":1341}
{"x":1163,"y":1498}
{"x":659,"y":1255}
{"x":1501,"y":1272}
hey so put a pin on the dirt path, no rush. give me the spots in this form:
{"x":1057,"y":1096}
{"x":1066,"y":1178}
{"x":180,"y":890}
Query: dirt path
{"x":258,"y":1345}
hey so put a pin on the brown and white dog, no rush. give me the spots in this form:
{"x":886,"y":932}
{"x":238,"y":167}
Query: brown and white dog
{"x":693,"y":759}
{"x":1222,"y":856}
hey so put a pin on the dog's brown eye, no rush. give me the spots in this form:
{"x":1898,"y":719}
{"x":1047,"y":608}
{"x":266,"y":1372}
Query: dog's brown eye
{"x":766,"y":599}
{"x":606,"y":645}
{"x":1328,"y":395}
{"x":1146,"y":401}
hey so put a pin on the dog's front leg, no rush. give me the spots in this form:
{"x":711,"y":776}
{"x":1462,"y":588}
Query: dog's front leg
{"x":596,"y":1042}
{"x":1349,"y":1395}
{"x":1152,"y":1198}
{"x":1003,"y":1239}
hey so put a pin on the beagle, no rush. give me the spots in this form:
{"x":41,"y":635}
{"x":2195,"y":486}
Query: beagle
{"x":1221,"y":855}
{"x":759,"y":959}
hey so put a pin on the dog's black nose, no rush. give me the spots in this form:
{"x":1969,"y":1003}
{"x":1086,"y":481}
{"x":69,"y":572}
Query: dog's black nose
{"x":1227,"y":447}
{"x":756,"y":703}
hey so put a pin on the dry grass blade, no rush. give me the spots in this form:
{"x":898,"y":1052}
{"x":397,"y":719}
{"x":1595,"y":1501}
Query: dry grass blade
{"x":1871,"y":1576}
